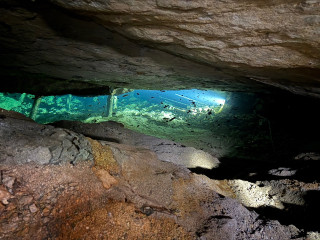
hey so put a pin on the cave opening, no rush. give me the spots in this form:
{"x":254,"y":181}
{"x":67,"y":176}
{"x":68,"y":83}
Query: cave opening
{"x":230,"y":125}
{"x":265,"y":142}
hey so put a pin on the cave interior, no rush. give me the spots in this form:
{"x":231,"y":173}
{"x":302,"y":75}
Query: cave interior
{"x":91,"y":118}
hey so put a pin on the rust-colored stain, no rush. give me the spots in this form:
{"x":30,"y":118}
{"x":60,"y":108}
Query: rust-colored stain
{"x":119,"y":220}
{"x":106,"y":167}
{"x":224,"y":188}
{"x":103,"y":157}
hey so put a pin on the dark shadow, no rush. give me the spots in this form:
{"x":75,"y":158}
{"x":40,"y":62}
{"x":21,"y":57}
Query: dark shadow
{"x":77,"y":126}
{"x":254,"y":170}
{"x":102,"y":138}
{"x":303,"y":217}
{"x":235,"y":168}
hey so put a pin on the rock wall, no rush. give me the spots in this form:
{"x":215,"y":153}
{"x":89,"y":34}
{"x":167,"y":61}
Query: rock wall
{"x":278,"y":34}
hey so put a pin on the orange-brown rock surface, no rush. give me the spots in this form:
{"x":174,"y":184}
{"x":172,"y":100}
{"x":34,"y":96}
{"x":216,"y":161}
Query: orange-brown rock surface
{"x":125,"y":192}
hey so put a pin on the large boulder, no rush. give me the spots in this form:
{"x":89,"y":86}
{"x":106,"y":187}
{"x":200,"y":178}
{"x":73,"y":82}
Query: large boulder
{"x":26,"y":141}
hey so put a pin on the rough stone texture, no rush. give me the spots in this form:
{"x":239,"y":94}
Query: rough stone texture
{"x":165,"y":150}
{"x":231,"y":45}
{"x":128,"y":193}
{"x":308,"y":156}
{"x":44,"y":55}
{"x":5,"y":113}
{"x":164,"y":189}
{"x":259,"y":34}
{"x":22,"y":143}
{"x":72,"y":204}
{"x":275,"y":193}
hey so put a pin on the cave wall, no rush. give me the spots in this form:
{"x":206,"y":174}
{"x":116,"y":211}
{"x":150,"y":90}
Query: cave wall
{"x":228,"y":45}
{"x":47,"y":49}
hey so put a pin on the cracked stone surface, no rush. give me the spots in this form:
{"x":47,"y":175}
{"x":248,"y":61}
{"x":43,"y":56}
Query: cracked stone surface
{"x":166,"y":150}
{"x":21,"y":143}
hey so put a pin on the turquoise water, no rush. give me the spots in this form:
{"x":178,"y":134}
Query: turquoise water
{"x":224,"y":124}
{"x":168,"y":105}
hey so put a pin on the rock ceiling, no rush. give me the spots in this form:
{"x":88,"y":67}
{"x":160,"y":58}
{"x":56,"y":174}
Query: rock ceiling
{"x":81,"y":45}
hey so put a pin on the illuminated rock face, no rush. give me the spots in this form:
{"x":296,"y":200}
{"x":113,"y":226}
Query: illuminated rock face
{"x":259,"y":34}
{"x":230,"y":45}
{"x":118,"y":191}
{"x":166,"y":150}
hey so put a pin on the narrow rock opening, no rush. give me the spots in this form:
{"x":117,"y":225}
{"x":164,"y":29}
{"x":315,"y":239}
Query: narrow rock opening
{"x":230,"y":125}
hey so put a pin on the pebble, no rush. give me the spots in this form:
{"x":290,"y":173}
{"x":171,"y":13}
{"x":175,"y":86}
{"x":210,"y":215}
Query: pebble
{"x":33,"y":208}
{"x":8,"y":182}
{"x":46,"y":211}
{"x":25,"y":200}
{"x":46,"y":219}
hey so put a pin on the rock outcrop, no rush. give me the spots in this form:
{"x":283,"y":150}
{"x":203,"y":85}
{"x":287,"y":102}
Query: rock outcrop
{"x":22,"y":143}
{"x":166,"y":150}
{"x":230,"y":45}
{"x":126,"y":192}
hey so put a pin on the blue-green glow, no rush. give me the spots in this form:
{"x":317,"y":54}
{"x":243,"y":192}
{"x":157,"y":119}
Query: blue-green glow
{"x":160,"y":104}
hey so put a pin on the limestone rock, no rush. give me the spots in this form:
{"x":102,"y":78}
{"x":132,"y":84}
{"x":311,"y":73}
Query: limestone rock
{"x":230,"y":45}
{"x":254,"y":34}
{"x":308,"y":156}
{"x":23,"y":143}
{"x":165,"y":150}
{"x":79,"y":201}
{"x":282,"y":171}
{"x":166,"y":188}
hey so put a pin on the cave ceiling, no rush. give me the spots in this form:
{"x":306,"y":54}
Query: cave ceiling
{"x":83,"y":46}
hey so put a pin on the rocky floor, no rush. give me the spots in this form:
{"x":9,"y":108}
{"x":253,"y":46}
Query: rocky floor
{"x":57,"y":183}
